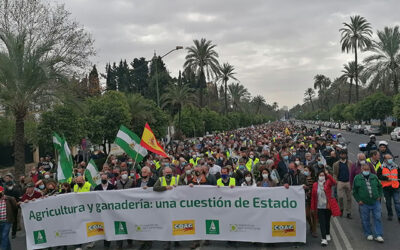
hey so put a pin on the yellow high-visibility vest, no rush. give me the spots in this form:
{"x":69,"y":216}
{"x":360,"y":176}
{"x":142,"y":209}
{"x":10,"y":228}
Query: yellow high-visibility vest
{"x":174,"y":181}
{"x":85,"y":188}
{"x":232,"y":182}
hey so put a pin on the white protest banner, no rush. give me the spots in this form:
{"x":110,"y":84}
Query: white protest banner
{"x":200,"y":213}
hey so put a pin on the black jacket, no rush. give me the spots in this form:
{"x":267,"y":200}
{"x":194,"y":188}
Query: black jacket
{"x":100,"y":188}
{"x":150,"y":183}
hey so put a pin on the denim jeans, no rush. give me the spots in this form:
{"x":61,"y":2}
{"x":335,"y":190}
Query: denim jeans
{"x":376,"y":210}
{"x":394,"y":194}
{"x":5,"y":235}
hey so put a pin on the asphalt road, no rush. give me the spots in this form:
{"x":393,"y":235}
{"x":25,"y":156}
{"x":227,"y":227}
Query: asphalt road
{"x":346,"y":233}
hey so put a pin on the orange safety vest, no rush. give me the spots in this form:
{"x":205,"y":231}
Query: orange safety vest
{"x":391,"y":174}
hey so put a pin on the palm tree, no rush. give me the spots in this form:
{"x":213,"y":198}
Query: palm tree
{"x":258,"y":101}
{"x":39,"y":50}
{"x":322,"y":83}
{"x":349,"y":73}
{"x":140,"y":109}
{"x":226,"y":73}
{"x":384,"y":65}
{"x":356,"y":35}
{"x":202,"y":59}
{"x":177,"y":97}
{"x":239,"y":94}
{"x":309,"y":95}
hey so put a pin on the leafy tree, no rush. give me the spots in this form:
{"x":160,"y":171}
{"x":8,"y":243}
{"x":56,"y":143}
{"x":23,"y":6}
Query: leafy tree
{"x":164,"y":79}
{"x":105,"y":115}
{"x":226,"y":73}
{"x":356,"y":35}
{"x":238,"y":94}
{"x":111,"y":77}
{"x":384,"y":65}
{"x":309,"y":95}
{"x":348,"y":112}
{"x":376,"y":106}
{"x":65,"y":120}
{"x":94,"y":82}
{"x":40,"y":48}
{"x":123,"y":77}
{"x":396,"y":106}
{"x":337,"y":113}
{"x":202,"y":59}
{"x":349,"y":73}
{"x":178,"y":96}
{"x":322,"y":83}
{"x":259,"y":102}
{"x":140,"y":75}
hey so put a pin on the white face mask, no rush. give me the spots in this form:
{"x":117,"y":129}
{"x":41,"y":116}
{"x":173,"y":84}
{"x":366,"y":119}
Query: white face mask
{"x":47,"y":176}
{"x":265,"y":176}
{"x":248,"y":178}
{"x":362,"y":162}
{"x":297,"y":162}
{"x":321,"y":178}
{"x":124,"y":176}
{"x":188,"y":172}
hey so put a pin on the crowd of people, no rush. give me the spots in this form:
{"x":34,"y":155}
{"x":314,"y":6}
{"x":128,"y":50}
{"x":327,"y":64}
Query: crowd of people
{"x":270,"y":155}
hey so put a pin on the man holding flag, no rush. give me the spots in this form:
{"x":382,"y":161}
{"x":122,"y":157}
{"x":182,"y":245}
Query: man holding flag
{"x":65,"y":162}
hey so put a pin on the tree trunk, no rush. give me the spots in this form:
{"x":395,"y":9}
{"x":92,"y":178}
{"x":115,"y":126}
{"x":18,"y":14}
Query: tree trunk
{"x":356,"y":73}
{"x":312,"y":104}
{"x":395,"y":84}
{"x":19,"y":144}
{"x":226,"y":97}
{"x":201,"y":97}
{"x":351,"y":85}
{"x":179,"y":119}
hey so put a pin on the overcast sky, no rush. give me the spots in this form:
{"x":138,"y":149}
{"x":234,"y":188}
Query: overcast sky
{"x":276,"y":46}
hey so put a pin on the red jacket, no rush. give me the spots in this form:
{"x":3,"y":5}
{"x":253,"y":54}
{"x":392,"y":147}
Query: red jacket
{"x":332,"y":203}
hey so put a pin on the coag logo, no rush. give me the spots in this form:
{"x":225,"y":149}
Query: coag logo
{"x":94,"y":228}
{"x":283,"y":228}
{"x":183,"y":227}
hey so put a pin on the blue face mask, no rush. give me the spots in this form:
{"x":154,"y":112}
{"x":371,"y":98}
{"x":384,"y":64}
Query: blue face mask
{"x":390,"y":161}
{"x":167,"y":164}
{"x":365,"y":173}
{"x":286,"y":157}
{"x":306,"y":173}
{"x":320,"y":163}
{"x":241,"y":167}
{"x":224,"y":176}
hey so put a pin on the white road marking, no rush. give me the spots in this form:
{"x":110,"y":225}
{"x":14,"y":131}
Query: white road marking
{"x":342,"y":234}
{"x":335,"y":240}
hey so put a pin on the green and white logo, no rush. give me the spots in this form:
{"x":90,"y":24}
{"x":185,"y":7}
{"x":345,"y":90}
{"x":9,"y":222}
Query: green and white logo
{"x":212,"y":226}
{"x":39,"y":236}
{"x":120,"y":227}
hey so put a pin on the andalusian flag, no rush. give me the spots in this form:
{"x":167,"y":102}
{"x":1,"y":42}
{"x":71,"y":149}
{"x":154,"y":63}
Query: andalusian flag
{"x":92,"y":175}
{"x":64,"y":163}
{"x":150,"y":143}
{"x":130,"y":143}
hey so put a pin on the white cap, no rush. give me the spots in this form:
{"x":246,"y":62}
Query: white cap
{"x":383,"y":143}
{"x":340,"y":134}
{"x":372,"y":136}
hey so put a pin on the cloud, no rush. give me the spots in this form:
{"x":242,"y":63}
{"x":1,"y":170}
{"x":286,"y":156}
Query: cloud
{"x":276,"y":46}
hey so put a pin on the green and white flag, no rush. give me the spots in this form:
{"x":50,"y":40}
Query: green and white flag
{"x":130,"y":143}
{"x":92,"y":175}
{"x":64,"y":163}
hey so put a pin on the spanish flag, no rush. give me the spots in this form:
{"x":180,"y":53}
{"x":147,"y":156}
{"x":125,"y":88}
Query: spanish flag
{"x":150,"y":143}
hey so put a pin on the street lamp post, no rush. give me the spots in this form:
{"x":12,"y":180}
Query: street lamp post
{"x":156,"y":68}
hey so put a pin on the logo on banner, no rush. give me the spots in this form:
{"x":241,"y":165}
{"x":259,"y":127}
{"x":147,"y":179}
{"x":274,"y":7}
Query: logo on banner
{"x":39,"y":237}
{"x":243,"y":228}
{"x":95,"y":228}
{"x":120,"y":227}
{"x":64,"y":233}
{"x":212,"y":226}
{"x":183,"y":227}
{"x":283,"y":228}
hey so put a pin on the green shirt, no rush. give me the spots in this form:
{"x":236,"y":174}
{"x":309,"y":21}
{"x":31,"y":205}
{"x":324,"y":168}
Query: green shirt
{"x":361,"y":192}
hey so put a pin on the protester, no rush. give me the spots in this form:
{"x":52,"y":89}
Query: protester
{"x":367,"y":191}
{"x":356,"y":167}
{"x":146,"y":179}
{"x":341,"y":173}
{"x":310,"y":215}
{"x":324,"y":204}
{"x":248,"y":180}
{"x":266,"y":179}
{"x":30,"y":194}
{"x":8,"y":215}
{"x":225,"y":180}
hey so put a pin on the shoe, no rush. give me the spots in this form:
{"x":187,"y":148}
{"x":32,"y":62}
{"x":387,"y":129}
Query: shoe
{"x":328,"y":237}
{"x":314,"y":235}
{"x":195,"y":245}
{"x":390,"y":217}
{"x":379,"y":239}
{"x":349,"y":216}
{"x":78,"y":248}
{"x":90,"y":245}
{"x":324,"y":243}
{"x":341,"y":213}
{"x":370,"y":237}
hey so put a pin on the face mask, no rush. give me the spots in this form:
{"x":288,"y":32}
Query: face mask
{"x":306,"y":173}
{"x":33,"y":171}
{"x":297,"y":162}
{"x":124,"y":176}
{"x":41,"y":186}
{"x":197,"y":173}
{"x":286,"y":157}
{"x":390,"y":161}
{"x":47,"y":176}
{"x":188,"y":172}
{"x":321,"y":178}
{"x":194,"y":156}
{"x":248,"y":178}
{"x":51,"y":190}
{"x":167,"y":164}
{"x":63,"y":191}
{"x":78,"y":174}
{"x":116,"y":174}
{"x":224,"y":176}
{"x":104,"y":182}
{"x":251,"y":156}
{"x":362,"y":162}
{"x":263,"y":162}
{"x":129,"y":163}
{"x":132,"y":174}
{"x":320,"y":163}
{"x":230,"y":173}
{"x":168,"y":176}
{"x":80,"y":185}
{"x":265,"y":176}
{"x":10,"y":187}
{"x":365,"y":173}
{"x":241,"y":167}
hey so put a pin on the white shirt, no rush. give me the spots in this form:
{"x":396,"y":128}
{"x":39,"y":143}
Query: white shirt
{"x":215,"y":169}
